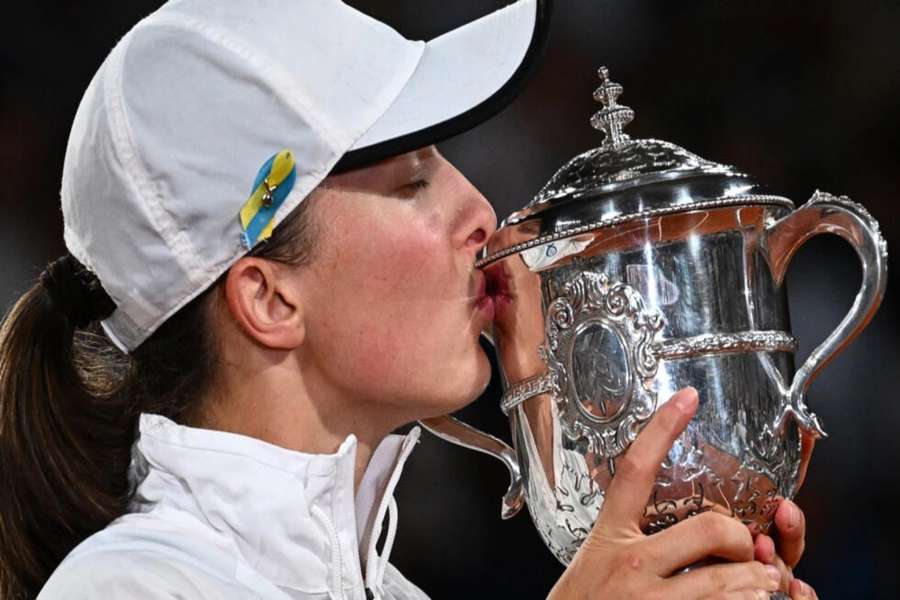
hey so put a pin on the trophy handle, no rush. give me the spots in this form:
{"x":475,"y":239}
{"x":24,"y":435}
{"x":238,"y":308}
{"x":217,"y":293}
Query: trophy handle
{"x":456,"y":432}
{"x":453,"y":430}
{"x":825,"y":213}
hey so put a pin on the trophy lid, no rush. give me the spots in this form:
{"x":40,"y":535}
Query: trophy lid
{"x":627,"y":178}
{"x":620,"y":162}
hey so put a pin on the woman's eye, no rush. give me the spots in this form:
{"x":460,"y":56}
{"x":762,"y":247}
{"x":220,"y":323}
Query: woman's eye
{"x":411,"y":190}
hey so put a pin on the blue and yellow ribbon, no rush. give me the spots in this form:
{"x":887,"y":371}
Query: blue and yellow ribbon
{"x":273,"y":184}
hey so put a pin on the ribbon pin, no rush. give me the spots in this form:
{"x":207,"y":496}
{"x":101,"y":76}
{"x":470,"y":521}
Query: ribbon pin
{"x":272,"y":185}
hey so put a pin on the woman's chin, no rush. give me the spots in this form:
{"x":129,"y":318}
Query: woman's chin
{"x":476,"y":385}
{"x":482,"y":377}
{"x":457,"y":400}
{"x":458,"y":388}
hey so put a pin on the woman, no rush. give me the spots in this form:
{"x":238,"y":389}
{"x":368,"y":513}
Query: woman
{"x":270,"y":269}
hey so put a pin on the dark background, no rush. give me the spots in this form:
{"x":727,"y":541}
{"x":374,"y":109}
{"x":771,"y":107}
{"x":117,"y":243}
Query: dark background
{"x":803,"y":95}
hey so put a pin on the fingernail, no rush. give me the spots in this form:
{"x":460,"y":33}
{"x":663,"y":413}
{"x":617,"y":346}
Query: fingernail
{"x":805,"y":590}
{"x":774,"y":576}
{"x":686,"y":399}
{"x":794,"y":517}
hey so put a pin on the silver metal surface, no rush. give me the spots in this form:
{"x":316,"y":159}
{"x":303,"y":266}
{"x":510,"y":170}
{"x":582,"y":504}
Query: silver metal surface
{"x":609,"y":174}
{"x":456,"y":432}
{"x":608,"y":299}
{"x":498,"y":250}
{"x":711,"y":343}
{"x":522,"y":391}
{"x":705,"y":294}
{"x":725,"y":343}
{"x":598,"y":350}
{"x":613,"y":117}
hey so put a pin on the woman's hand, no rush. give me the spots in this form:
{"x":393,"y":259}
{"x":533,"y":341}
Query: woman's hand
{"x":791,"y":526}
{"x":618,"y":561}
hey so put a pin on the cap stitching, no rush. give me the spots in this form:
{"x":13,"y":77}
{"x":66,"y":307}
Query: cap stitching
{"x":280,"y":82}
{"x":138,"y":177}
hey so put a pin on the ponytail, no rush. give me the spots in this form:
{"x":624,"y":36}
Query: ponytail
{"x":64,"y":438}
{"x":70,"y":401}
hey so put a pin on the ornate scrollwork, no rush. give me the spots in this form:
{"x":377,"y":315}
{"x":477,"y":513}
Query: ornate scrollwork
{"x":702,"y":477}
{"x":738,"y":200}
{"x":520,"y":392}
{"x":599,"y":353}
{"x":820,"y":197}
{"x":725,"y":343}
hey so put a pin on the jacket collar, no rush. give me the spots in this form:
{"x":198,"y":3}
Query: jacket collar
{"x":280,"y":509}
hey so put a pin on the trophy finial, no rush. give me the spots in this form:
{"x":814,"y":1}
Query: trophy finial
{"x":613,"y":117}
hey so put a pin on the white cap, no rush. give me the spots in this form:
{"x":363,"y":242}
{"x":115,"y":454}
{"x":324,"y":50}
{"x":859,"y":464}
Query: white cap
{"x":183,"y":114}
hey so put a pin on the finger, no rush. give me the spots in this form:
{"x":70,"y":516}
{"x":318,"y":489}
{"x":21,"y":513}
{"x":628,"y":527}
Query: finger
{"x":791,"y":525}
{"x":764,"y":549}
{"x":800,"y":590}
{"x":718,"y":580}
{"x":707,"y":535}
{"x":807,"y":443}
{"x":764,"y":552}
{"x":787,"y":575}
{"x":739,"y":595}
{"x":636,"y":469}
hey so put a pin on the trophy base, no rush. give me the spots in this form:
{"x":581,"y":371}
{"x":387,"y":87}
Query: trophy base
{"x":779,"y":596}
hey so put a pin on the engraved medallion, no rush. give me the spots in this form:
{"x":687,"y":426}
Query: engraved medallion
{"x":599,"y":338}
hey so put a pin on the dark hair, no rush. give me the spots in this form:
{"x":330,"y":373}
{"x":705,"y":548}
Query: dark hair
{"x":70,"y":401}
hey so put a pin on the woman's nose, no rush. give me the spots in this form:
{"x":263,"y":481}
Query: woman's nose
{"x":483,"y":223}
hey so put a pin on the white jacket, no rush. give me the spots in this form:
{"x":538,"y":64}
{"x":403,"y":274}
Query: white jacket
{"x":219,"y":516}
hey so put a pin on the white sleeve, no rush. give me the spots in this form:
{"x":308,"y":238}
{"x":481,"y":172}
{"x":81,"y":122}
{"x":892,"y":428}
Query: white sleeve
{"x":399,"y":587}
{"x":135,"y":575}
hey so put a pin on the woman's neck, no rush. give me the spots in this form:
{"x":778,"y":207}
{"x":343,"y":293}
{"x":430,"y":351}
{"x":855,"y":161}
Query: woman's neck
{"x":277,"y":405}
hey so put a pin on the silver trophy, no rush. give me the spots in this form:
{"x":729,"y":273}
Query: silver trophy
{"x":640,"y":269}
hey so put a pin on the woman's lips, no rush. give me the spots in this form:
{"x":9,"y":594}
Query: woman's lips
{"x":497,"y":288}
{"x":485,"y":305}
{"x":484,"y":302}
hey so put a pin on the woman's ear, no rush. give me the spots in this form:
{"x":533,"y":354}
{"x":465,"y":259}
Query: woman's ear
{"x":263,"y":301}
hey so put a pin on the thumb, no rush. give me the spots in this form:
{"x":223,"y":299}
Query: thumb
{"x":636,"y":470}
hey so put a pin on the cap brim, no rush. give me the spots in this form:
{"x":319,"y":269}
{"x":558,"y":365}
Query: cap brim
{"x":463,"y":78}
